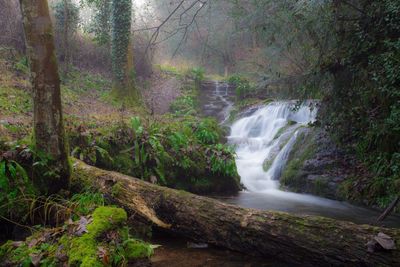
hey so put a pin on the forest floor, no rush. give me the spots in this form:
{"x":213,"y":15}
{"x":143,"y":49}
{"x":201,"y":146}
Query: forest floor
{"x":161,"y":92}
{"x":87,"y":99}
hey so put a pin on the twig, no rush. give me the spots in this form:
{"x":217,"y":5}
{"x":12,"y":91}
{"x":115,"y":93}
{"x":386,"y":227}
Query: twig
{"x":388,"y":210}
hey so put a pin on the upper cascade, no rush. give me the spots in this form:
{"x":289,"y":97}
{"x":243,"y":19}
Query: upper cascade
{"x":217,"y":98}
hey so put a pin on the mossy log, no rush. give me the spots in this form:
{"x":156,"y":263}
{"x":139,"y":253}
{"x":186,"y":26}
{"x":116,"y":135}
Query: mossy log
{"x":299,"y":240}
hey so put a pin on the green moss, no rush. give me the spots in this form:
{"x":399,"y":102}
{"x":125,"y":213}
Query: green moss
{"x":87,"y":202}
{"x":21,"y":254}
{"x":320,"y":186}
{"x":291,"y":175}
{"x":116,"y":189}
{"x":283,"y":129}
{"x":267,"y":164}
{"x":137,"y":249}
{"x":83,"y":250}
{"x":124,"y":163}
{"x":105,"y":218}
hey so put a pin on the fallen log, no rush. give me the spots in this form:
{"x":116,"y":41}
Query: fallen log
{"x":299,"y":240}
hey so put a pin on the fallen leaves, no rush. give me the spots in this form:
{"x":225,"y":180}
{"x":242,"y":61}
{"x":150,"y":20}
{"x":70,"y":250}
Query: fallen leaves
{"x":36,"y":258}
{"x":81,"y":227}
{"x":381,"y":242}
{"x":104,"y":255}
{"x":78,"y":228}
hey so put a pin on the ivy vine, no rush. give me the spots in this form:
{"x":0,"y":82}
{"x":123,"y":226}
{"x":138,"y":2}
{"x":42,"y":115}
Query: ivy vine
{"x":121,"y":26}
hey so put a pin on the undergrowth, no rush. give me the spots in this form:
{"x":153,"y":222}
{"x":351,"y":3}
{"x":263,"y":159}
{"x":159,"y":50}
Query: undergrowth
{"x":178,"y":152}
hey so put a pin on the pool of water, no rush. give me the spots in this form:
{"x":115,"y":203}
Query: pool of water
{"x":174,"y":252}
{"x":303,"y":204}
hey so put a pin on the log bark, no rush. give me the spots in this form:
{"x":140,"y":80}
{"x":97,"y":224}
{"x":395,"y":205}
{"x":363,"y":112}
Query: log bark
{"x":299,"y":240}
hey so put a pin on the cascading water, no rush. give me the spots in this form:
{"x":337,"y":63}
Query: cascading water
{"x":222,"y":92}
{"x":263,"y":141}
{"x":267,"y":135}
{"x":218,"y":102}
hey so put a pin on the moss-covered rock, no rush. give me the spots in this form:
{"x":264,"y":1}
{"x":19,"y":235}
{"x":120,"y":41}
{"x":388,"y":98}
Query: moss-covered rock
{"x":83,"y":250}
{"x":313,"y":166}
{"x":99,"y":240}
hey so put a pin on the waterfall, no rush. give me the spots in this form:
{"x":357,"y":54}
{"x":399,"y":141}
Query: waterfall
{"x":218,"y":100}
{"x":268,"y":135}
{"x":221,"y":91}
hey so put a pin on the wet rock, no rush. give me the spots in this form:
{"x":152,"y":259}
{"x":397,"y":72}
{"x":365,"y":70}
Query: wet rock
{"x":316,"y":165}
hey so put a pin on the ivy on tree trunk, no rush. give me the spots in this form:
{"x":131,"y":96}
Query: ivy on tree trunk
{"x":121,"y":44}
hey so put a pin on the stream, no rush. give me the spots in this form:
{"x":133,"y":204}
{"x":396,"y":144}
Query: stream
{"x":268,"y":133}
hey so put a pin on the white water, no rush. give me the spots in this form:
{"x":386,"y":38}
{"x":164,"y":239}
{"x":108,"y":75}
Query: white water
{"x":260,"y":136}
{"x":222,"y":92}
{"x":257,"y":136}
{"x":219,"y":102}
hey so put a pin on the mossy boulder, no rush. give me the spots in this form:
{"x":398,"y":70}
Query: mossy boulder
{"x":83,"y":250}
{"x":314,"y":166}
{"x":98,"y":240}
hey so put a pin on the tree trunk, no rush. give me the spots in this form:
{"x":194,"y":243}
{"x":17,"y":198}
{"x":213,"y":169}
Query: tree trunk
{"x":300,"y":240}
{"x":122,"y":48}
{"x":226,"y":71}
{"x":66,"y":35}
{"x":254,"y":38}
{"x":48,"y":119}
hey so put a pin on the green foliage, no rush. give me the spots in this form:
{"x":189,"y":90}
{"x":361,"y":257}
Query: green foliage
{"x":208,"y":131}
{"x":137,"y":249}
{"x":43,"y":169}
{"x":100,"y":24}
{"x":22,"y":65}
{"x":194,"y":73}
{"x":66,"y":12}
{"x":222,"y":161}
{"x":83,"y":82}
{"x":15,"y":188}
{"x":14,"y":101}
{"x":362,"y":110}
{"x":91,"y":153}
{"x":197,"y":74}
{"x":291,"y":37}
{"x":84,"y":203}
{"x":170,"y":70}
{"x":177,"y":153}
{"x":84,"y":250}
{"x":137,"y":127}
{"x":243,"y":86}
{"x":184,"y":105}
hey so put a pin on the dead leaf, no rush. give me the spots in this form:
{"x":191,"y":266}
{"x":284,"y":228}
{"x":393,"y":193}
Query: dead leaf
{"x":36,"y":258}
{"x":33,"y":243}
{"x":17,"y":244}
{"x":103,"y":255}
{"x":385,"y":241}
{"x":81,"y":228}
{"x":112,"y":236}
{"x":61,"y":255}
